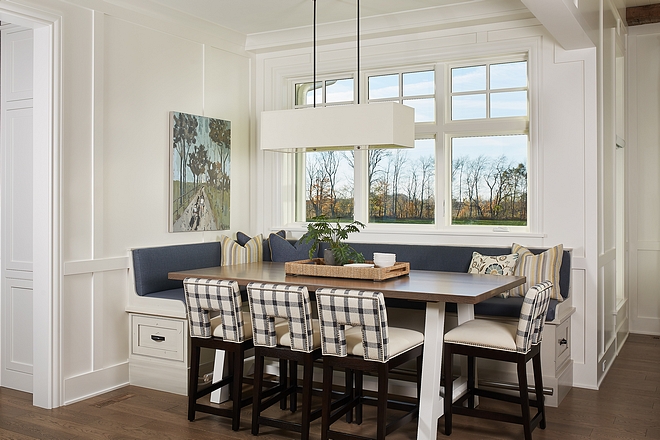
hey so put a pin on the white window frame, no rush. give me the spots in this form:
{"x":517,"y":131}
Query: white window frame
{"x":443,"y":130}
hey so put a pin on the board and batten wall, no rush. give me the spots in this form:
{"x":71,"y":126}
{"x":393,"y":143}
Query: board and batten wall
{"x":122,"y":70}
{"x":643,"y":144}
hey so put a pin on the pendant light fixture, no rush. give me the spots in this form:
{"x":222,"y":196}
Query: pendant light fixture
{"x":340,"y":127}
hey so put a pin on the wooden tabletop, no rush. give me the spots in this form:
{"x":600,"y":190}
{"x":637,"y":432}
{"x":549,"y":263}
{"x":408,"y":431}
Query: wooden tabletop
{"x":419,"y":285}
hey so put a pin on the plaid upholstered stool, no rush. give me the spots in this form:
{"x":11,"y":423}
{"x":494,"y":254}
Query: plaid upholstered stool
{"x":297,"y":341}
{"x":230,"y":331}
{"x":504,"y":342}
{"x":367,"y":345}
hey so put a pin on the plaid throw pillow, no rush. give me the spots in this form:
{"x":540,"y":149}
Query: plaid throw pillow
{"x":537,"y":269}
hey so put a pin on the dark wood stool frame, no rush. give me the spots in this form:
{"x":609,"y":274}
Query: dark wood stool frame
{"x":358,"y":365}
{"x":520,"y":359}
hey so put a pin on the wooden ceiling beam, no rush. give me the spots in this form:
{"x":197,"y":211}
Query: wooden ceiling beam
{"x":643,"y":14}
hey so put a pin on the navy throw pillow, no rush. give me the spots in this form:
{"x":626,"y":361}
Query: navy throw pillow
{"x":282,"y":251}
{"x":242,"y":238}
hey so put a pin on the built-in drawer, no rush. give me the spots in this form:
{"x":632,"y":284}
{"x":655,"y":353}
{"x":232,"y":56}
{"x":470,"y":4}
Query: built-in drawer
{"x":562,"y":342}
{"x":158,"y":337}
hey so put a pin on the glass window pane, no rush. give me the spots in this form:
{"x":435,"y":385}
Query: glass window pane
{"x":402,"y":183}
{"x":424,"y":109}
{"x":329,"y":185}
{"x":505,"y":104}
{"x":508,"y":75}
{"x":468,"y":107}
{"x":468,"y":79}
{"x":340,"y":90}
{"x":384,"y":86}
{"x":305,"y":93}
{"x":489,"y":180}
{"x":419,"y":83}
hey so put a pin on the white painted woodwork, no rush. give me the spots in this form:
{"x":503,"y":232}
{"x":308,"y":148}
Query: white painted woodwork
{"x":644,"y":144}
{"x":16,"y":150}
{"x":112,"y":74}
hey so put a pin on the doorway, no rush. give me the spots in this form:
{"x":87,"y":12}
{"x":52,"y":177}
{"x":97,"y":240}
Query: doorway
{"x":46,"y":273}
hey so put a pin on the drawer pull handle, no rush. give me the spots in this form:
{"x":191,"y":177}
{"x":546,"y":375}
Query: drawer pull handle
{"x":157,"y":338}
{"x":563,"y":341}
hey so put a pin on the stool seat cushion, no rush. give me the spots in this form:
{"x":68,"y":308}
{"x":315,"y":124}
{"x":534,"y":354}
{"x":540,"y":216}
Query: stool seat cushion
{"x":284,"y":336}
{"x":400,"y":340}
{"x":216,"y":326}
{"x":484,"y":333}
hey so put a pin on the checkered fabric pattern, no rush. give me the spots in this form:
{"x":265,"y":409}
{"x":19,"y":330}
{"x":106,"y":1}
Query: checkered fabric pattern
{"x":532,"y":316}
{"x":270,"y":301}
{"x":341,"y":307}
{"x":204,"y":295}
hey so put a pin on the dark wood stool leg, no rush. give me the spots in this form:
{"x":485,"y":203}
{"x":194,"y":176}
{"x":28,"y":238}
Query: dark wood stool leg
{"x":471,"y":380}
{"x":381,"y":419}
{"x":524,"y":399}
{"x":359,"y":388}
{"x":284,"y":377}
{"x":256,"y":396}
{"x":308,"y":376}
{"x":236,"y":388}
{"x":538,"y":383}
{"x":348,"y":387}
{"x":327,"y":400}
{"x":293,"y":378}
{"x":192,"y":380}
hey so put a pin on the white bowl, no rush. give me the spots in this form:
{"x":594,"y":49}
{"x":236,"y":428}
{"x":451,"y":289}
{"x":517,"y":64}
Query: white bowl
{"x":384,"y":259}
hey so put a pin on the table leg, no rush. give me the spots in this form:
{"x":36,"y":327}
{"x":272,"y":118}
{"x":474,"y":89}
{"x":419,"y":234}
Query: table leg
{"x":430,"y":404}
{"x":221,"y":395}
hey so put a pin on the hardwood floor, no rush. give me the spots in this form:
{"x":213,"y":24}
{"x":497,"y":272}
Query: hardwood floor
{"x":627,"y":406}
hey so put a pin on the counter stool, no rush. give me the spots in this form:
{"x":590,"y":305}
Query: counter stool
{"x":230,"y":331}
{"x":355,"y":335}
{"x":296,"y":341}
{"x":504,"y":342}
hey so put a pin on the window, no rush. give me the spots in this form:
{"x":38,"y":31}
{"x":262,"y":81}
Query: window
{"x":328,"y":175}
{"x":489,"y":144}
{"x":401,"y":182}
{"x":471,"y":150}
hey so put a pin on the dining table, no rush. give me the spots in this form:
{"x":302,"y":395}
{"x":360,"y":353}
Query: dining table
{"x":434,"y":288}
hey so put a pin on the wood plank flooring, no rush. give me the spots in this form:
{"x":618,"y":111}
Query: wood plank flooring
{"x":627,"y":406}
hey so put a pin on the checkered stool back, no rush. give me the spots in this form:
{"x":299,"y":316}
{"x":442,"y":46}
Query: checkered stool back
{"x":532,"y":316}
{"x":360,"y":308}
{"x":204,"y":295}
{"x":270,"y":301}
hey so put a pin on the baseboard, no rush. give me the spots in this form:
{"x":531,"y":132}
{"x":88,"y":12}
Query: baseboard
{"x":94,"y":383}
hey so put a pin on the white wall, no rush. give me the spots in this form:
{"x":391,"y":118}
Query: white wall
{"x":122,"y":71}
{"x":643,"y":144}
{"x":563,"y":135}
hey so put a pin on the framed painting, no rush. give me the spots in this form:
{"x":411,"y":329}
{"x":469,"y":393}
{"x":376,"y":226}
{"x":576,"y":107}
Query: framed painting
{"x":201,"y":165}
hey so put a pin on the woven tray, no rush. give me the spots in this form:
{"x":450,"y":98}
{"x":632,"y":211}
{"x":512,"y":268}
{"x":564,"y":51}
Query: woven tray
{"x":317,"y":268}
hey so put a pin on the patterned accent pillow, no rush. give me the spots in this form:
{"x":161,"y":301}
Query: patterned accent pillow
{"x":493,"y":265}
{"x":282,"y":251}
{"x":233,"y":253}
{"x":538,"y":268}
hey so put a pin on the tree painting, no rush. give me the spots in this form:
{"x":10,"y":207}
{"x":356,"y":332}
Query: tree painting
{"x":201,"y":165}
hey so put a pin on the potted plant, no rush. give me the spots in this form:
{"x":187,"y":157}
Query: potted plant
{"x":339,"y":253}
